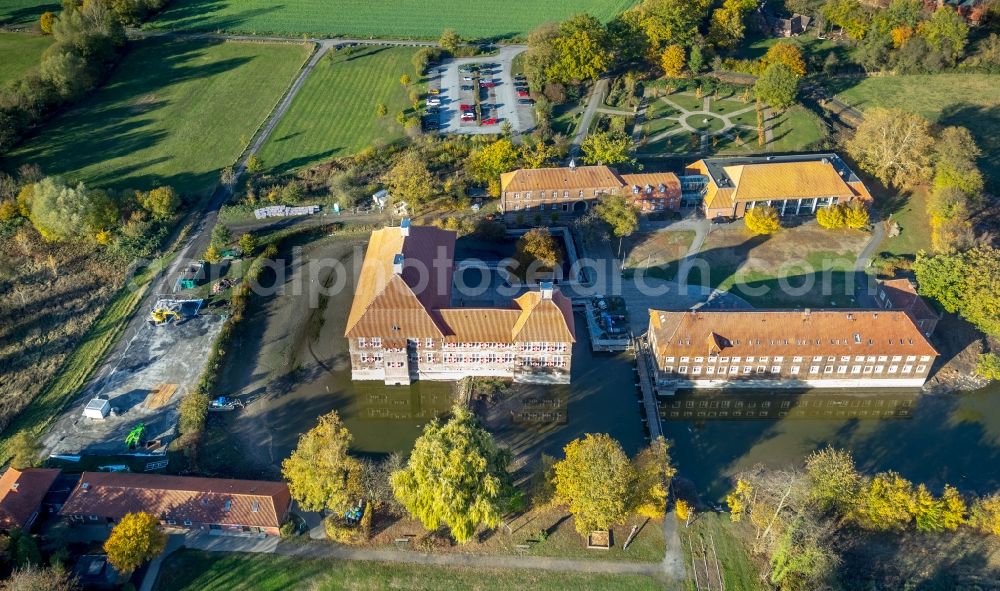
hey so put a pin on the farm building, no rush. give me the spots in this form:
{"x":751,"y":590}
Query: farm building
{"x":788,"y":349}
{"x":21,"y":495}
{"x":402,"y":326}
{"x":575,"y":189}
{"x":797,"y":184}
{"x":218,"y":506}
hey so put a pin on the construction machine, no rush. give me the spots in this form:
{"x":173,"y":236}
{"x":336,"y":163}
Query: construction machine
{"x":135,"y":436}
{"x":161,"y":315}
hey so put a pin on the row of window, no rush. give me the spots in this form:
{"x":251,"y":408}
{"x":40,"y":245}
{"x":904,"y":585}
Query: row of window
{"x":555,"y":194}
{"x":799,"y":359}
{"x":793,"y":370}
{"x":376,"y":343}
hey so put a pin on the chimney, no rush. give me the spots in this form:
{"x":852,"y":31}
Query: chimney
{"x":397,"y":263}
{"x":546,"y":289}
{"x":807,"y":312}
{"x":572,"y":164}
{"x":404,"y":228}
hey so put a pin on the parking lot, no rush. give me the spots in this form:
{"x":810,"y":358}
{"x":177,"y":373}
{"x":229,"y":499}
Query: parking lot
{"x":477,"y":95}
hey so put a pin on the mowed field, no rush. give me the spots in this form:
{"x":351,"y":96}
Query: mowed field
{"x":19,"y":52}
{"x":24,"y":12}
{"x":379,"y":18}
{"x":334,"y":112}
{"x":190,"y":570}
{"x":969,"y":100}
{"x":174,"y":113}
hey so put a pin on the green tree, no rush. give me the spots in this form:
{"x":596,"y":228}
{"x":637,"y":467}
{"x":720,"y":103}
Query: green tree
{"x":947,"y":32}
{"x":25,"y":450}
{"x":135,"y":540}
{"x":450,"y":40}
{"x":834,"y":481}
{"x":777,"y":86}
{"x":620,"y":215}
{"x":489,"y":162}
{"x":248,"y":244}
{"x":254,"y":164}
{"x":672,"y":61}
{"x":848,"y":15}
{"x":541,"y":55}
{"x":410,"y":181}
{"x":988,"y":366}
{"x":928,"y":512}
{"x":538,"y":155}
{"x":192,"y":412}
{"x":964,"y":283}
{"x":320,"y":472}
{"x":581,"y":51}
{"x":954,"y":510}
{"x":23,"y":549}
{"x":456,"y":476}
{"x":62,"y":212}
{"x":894,"y":146}
{"x":696,"y":60}
{"x":762,"y":219}
{"x":68,"y":74}
{"x":596,"y":481}
{"x":222,"y":236}
{"x":985,"y":514}
{"x":608,"y":147}
{"x":161,"y":202}
{"x":667,"y":22}
{"x":727,"y":26}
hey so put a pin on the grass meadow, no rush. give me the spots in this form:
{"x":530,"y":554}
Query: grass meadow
{"x":21,"y":52}
{"x":206,"y":571}
{"x":969,"y":100}
{"x":174,"y":113}
{"x":24,"y":12}
{"x":378,"y":18}
{"x":334,"y":112}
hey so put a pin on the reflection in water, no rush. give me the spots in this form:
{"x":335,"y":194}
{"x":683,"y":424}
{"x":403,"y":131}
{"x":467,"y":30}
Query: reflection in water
{"x":401,"y":402}
{"x":817,"y":404}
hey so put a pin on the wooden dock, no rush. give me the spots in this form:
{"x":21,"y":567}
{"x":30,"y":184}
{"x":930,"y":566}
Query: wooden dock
{"x":648,"y":391}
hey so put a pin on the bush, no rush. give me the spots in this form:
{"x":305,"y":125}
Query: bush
{"x":193,"y":412}
{"x":989,"y":366}
{"x":340,"y":532}
{"x":289,"y":528}
{"x":762,"y":220}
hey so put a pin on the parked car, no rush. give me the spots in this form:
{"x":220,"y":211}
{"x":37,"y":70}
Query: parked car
{"x":490,"y":121}
{"x":522,"y":93}
{"x":520,"y":77}
{"x":467,"y":78}
{"x":467,"y":87}
{"x":433,"y":101}
{"x":466,"y":107}
{"x":487,"y":84}
{"x":526,"y":101}
{"x":722,"y":219}
{"x":435,"y":91}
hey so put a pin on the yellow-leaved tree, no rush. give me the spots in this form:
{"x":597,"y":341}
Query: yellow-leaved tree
{"x":830,"y":217}
{"x":788,"y":54}
{"x":856,"y":215}
{"x":887,"y":502}
{"x":985,"y":514}
{"x":673,"y":60}
{"x":684,"y":511}
{"x":136,"y":539}
{"x":762,"y":219}
{"x":739,"y":500}
{"x":653,"y":475}
{"x":320,"y":473}
{"x":595,"y":481}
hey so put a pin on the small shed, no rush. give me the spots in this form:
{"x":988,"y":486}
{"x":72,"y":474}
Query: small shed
{"x":97,"y":408}
{"x":380,"y":199}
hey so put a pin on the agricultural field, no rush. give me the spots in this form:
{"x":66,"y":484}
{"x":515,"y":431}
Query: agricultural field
{"x":213,"y":571}
{"x":21,"y":52}
{"x":334,"y":112}
{"x":378,"y":18}
{"x":174,"y":113}
{"x":969,"y":100}
{"x":24,"y":12}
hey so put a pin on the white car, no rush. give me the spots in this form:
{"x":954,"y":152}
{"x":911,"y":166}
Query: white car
{"x":433,"y":102}
{"x":467,"y":78}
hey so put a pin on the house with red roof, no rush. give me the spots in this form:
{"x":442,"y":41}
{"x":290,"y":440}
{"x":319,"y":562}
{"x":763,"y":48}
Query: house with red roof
{"x":21,"y":494}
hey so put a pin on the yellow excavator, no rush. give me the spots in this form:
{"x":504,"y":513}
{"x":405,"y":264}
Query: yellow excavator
{"x":163,"y":315}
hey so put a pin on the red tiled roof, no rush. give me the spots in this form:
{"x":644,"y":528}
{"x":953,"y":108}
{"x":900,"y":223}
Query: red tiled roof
{"x":903,"y":296}
{"x":179,"y":498}
{"x":21,"y":493}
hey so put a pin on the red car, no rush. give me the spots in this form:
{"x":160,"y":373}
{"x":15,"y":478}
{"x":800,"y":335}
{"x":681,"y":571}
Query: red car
{"x":465,"y":107}
{"x":490,"y":121}
{"x":522,"y":93}
{"x":487,"y":84}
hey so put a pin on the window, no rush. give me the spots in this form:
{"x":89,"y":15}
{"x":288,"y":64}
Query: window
{"x":761,"y":369}
{"x":710,"y":370}
{"x":897,"y":357}
{"x":668,"y":359}
{"x":734,"y":370}
{"x":893,"y":368}
{"x":797,"y":359}
{"x":925,"y":357}
{"x":750,"y":359}
{"x":813,"y":369}
{"x":187,"y":522}
{"x":907,"y":368}
{"x":228,"y":505}
{"x":795,"y":370}
{"x":921,"y":368}
{"x":855,"y":369}
{"x":841,"y":369}
{"x":93,"y":517}
{"x":869,"y":369}
{"x":682,"y":369}
{"x":746,"y":369}
{"x":696,"y":370}
{"x":828,"y":369}
{"x":668,"y":369}
{"x":362,"y":342}
{"x":879,"y":368}
{"x":171,"y":522}
{"x":376,"y":342}
{"x":428,"y":343}
{"x":775,"y":369}
{"x":911,"y":357}
{"x":818,"y":358}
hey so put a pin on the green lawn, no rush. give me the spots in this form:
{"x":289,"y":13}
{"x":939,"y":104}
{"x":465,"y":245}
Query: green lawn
{"x":334,"y":113}
{"x":174,"y":113}
{"x":910,"y":212}
{"x":814,"y":50}
{"x":23,"y":12}
{"x":712,"y":536}
{"x":379,"y":18}
{"x":969,"y":100}
{"x":204,"y":571}
{"x":795,"y":130}
{"x":21,"y":52}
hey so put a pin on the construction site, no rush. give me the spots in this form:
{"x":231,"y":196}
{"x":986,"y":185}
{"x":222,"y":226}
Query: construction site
{"x":132,"y":408}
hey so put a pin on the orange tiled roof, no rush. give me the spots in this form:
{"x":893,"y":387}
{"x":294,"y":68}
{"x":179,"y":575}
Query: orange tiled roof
{"x":787,"y":180}
{"x":480,"y":325}
{"x":654,"y":179}
{"x":903,"y":295}
{"x":180,"y":498}
{"x":21,"y":493}
{"x":788,"y":332}
{"x":544,"y":320}
{"x":559,"y":179}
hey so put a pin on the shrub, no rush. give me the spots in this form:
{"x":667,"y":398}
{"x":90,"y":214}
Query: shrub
{"x":193,"y":411}
{"x":831,"y":217}
{"x":289,"y":528}
{"x":340,"y":532}
{"x":989,"y":366}
{"x":762,"y":220}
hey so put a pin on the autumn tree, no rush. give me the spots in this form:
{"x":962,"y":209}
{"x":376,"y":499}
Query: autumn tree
{"x":36,"y":578}
{"x":541,"y":54}
{"x":320,"y":472}
{"x":964,"y":283}
{"x":381,"y":110}
{"x":227,"y":176}
{"x":653,"y":472}
{"x":985,"y":514}
{"x":410,"y":181}
{"x":988,"y":366}
{"x":537,"y":155}
{"x":777,"y":86}
{"x":135,"y":540}
{"x":607,"y":147}
{"x":856,"y":215}
{"x":405,"y":80}
{"x":955,"y":511}
{"x":672,"y":61}
{"x":834,"y":481}
{"x":248,"y":244}
{"x":831,"y":217}
{"x":456,"y":476}
{"x":669,"y":22}
{"x":581,"y":50}
{"x":537,"y":250}
{"x":894,"y":146}
{"x":62,"y":212}
{"x":161,"y":202}
{"x":727,"y":26}
{"x":25,"y":450}
{"x":762,"y":219}
{"x":849,"y":15}
{"x":46,"y":21}
{"x":450,"y":40}
{"x":886,"y":502}
{"x":595,"y":481}
{"x":946,"y":32}
{"x":788,"y":54}
{"x":684,"y":511}
{"x":957,"y":189}
{"x":489,"y":162}
{"x":254,"y":164}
